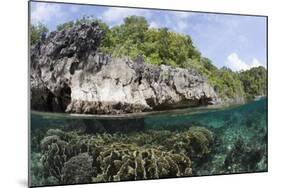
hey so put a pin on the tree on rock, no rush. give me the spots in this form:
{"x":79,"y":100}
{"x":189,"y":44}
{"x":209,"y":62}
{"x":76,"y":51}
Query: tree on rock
{"x":36,"y":31}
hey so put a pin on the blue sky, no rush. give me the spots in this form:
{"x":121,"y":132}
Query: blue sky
{"x":238,"y":42}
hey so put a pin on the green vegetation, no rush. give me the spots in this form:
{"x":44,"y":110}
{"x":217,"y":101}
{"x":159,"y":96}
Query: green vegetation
{"x":36,"y":31}
{"x":254,"y":81}
{"x":135,"y":39}
{"x":65,"y":25}
{"x":226,"y":83}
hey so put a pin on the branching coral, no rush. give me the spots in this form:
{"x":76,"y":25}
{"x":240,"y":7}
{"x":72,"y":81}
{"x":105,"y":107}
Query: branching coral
{"x":131,"y":162}
{"x":66,"y":155}
{"x":60,"y":148}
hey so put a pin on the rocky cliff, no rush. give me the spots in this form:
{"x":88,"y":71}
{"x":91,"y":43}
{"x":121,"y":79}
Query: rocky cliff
{"x":68,"y":74}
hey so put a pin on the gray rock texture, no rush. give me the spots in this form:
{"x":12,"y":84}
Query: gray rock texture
{"x":68,"y":74}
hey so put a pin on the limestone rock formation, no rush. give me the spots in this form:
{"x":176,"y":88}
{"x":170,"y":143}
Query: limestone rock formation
{"x":68,"y":74}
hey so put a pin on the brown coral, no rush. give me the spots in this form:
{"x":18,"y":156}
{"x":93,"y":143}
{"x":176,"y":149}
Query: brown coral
{"x":200,"y":140}
{"x":130,"y":162}
{"x":78,"y":169}
{"x":109,"y":157}
{"x":196,"y":142}
{"x":54,"y":155}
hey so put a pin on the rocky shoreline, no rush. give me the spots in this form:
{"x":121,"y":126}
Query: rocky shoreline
{"x":68,"y":74}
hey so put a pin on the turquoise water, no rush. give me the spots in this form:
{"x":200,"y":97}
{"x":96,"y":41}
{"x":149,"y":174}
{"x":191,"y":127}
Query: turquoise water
{"x":216,"y":118}
{"x":67,"y":149}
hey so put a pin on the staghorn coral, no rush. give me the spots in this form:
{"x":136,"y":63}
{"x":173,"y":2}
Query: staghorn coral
{"x":130,"y":162}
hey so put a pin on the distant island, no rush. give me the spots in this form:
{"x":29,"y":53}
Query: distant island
{"x":87,"y":67}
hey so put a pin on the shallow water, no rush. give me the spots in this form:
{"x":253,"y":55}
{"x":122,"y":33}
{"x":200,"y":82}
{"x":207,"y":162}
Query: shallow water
{"x":233,"y":140}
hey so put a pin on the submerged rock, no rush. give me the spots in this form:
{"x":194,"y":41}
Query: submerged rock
{"x":69,"y":75}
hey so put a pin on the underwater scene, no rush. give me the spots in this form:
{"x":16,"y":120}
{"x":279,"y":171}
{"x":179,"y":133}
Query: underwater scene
{"x":70,"y":149}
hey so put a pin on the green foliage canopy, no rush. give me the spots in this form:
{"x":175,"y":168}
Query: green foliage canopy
{"x":134,"y":38}
{"x":65,"y":25}
{"x":254,"y":81}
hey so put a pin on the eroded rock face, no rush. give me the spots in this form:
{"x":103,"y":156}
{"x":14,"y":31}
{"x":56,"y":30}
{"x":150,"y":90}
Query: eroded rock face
{"x":69,"y":75}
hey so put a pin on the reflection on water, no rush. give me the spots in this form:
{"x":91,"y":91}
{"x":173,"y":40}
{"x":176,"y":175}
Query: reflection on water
{"x":67,"y":149}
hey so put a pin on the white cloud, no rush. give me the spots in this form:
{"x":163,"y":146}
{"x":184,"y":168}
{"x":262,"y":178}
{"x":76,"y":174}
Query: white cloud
{"x":115,"y":16}
{"x":175,"y":20}
{"x":178,"y":21}
{"x":154,"y":24}
{"x":256,"y":63}
{"x":236,"y":64}
{"x":46,"y":12}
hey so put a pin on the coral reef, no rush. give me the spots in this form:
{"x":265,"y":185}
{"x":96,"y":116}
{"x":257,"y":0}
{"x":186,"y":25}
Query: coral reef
{"x":244,"y":157}
{"x":200,"y":141}
{"x":39,"y":175}
{"x":54,"y":155}
{"x":196,"y":142}
{"x":131,"y":162}
{"x":62,"y":149}
{"x":71,"y":157}
{"x":78,"y":169}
